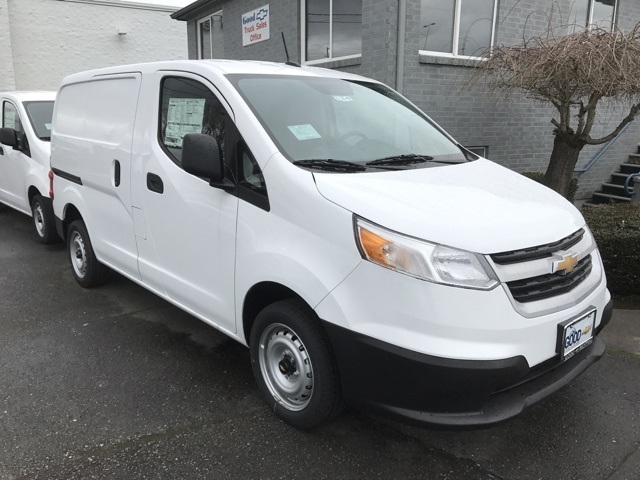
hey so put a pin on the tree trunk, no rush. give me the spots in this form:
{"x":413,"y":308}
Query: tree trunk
{"x":564,"y":158}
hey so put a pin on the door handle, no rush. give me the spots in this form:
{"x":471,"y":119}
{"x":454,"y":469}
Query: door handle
{"x":116,"y":173}
{"x":154,"y":183}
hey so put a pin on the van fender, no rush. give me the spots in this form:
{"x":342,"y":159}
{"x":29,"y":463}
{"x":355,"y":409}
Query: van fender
{"x":34,"y":179}
{"x":278,"y":277}
{"x":65,"y":202}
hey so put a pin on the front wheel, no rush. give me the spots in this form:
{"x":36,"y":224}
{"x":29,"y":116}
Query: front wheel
{"x":43,"y":221}
{"x":86,"y":268}
{"x":294,"y":366}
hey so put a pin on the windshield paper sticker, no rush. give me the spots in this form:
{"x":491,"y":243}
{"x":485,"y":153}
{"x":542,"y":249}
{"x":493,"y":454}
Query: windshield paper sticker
{"x":184,"y":115}
{"x":343,"y":98}
{"x":47,"y":126}
{"x":304,"y":132}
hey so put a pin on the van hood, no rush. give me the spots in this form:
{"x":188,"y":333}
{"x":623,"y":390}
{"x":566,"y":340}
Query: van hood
{"x":477,"y":206}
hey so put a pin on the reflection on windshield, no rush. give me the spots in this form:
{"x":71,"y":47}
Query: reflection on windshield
{"x":40,"y":115}
{"x":312,"y":118}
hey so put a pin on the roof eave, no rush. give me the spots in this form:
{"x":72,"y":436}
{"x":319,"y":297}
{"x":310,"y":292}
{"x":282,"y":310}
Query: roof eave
{"x":185,"y":12}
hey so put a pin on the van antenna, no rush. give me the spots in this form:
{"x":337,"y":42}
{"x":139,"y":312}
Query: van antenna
{"x":286,"y":52}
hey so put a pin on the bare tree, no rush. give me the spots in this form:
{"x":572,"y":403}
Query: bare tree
{"x":572,"y":72}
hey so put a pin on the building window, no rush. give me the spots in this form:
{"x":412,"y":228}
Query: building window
{"x":458,"y":27}
{"x":332,"y":29}
{"x":210,"y":38}
{"x":601,"y":13}
{"x":481,"y":151}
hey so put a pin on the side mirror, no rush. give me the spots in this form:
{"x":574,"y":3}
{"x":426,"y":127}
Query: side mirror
{"x":8,"y":137}
{"x":201,"y":156}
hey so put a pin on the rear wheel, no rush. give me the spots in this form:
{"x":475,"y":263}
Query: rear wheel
{"x":86,"y":268}
{"x":294,"y":366}
{"x":43,"y":221}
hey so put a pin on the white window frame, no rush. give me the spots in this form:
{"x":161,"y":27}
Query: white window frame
{"x":303,"y":38}
{"x":456,"y":32}
{"x":199,"y":37}
{"x":590,"y":14}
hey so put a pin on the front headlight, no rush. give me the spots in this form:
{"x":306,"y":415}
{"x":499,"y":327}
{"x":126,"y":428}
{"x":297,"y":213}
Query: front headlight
{"x":423,"y":260}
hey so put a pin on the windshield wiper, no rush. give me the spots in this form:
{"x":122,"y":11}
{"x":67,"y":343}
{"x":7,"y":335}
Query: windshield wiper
{"x":330,"y":164}
{"x":401,"y":160}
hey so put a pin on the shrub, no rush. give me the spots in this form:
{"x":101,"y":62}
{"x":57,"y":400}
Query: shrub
{"x":616,"y":228}
{"x":539,"y":176}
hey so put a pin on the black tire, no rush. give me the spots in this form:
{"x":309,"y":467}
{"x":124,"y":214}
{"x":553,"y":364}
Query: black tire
{"x":43,"y":220}
{"x":294,"y":365}
{"x":86,"y":268}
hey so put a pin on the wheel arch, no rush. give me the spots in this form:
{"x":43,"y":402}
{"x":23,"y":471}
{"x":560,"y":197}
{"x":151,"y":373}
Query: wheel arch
{"x":32,"y":191}
{"x":70,"y":214}
{"x":258,"y":297}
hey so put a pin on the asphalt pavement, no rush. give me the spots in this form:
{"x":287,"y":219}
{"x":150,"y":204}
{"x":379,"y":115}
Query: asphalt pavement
{"x":115,"y":383}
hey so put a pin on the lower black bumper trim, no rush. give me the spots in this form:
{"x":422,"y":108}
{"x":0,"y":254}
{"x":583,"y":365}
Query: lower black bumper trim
{"x":447,"y":393}
{"x":504,"y":405}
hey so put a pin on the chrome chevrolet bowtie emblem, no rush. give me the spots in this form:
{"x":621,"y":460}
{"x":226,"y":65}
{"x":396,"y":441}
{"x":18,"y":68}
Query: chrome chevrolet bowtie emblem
{"x":564,"y":262}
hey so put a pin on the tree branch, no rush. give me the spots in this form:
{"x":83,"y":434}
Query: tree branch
{"x":591,"y":113}
{"x":628,"y":119}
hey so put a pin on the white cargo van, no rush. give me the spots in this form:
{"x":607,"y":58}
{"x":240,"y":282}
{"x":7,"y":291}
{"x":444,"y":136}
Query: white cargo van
{"x":25,"y":133}
{"x":325,"y":222}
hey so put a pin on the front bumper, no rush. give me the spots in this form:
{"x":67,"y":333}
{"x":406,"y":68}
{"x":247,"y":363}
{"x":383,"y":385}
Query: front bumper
{"x":435,"y":391}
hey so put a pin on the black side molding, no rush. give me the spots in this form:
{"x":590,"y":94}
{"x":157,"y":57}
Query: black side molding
{"x":67,"y":176}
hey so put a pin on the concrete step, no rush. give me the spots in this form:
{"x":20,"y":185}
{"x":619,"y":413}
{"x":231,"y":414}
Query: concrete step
{"x":600,"y":197}
{"x":615,"y":189}
{"x":619,"y":178}
{"x":634,"y":158}
{"x":630,"y":167}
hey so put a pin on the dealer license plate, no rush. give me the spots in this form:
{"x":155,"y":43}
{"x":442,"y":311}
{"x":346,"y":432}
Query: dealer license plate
{"x":576,"y":334}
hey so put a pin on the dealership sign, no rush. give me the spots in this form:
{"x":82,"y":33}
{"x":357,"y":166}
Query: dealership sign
{"x":255,"y":26}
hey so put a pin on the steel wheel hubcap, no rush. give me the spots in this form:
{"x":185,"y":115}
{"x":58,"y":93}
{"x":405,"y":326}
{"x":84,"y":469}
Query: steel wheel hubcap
{"x":286,"y":367}
{"x":78,"y":254}
{"x":38,"y":218}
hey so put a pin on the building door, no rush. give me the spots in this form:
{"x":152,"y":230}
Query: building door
{"x":210,"y":37}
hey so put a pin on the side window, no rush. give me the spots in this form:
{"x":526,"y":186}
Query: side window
{"x":188,"y":106}
{"x":11,"y":119}
{"x":249,"y":173}
{"x":251,"y":185}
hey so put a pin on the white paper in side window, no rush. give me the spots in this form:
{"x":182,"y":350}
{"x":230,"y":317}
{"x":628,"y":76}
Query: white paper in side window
{"x":9,"y":120}
{"x":47,"y":126}
{"x":304,"y":132}
{"x":184,"y":115}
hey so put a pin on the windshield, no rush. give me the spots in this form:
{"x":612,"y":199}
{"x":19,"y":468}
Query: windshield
{"x":330,"y":119}
{"x":40,"y":114}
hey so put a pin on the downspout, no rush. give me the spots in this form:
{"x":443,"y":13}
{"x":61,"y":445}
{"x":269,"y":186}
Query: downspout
{"x":402,"y":16}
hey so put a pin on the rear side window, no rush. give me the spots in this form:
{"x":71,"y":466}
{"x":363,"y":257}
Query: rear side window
{"x":188,"y":106}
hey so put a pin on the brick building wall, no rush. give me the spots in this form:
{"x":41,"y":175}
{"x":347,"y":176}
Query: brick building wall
{"x":516,"y":130}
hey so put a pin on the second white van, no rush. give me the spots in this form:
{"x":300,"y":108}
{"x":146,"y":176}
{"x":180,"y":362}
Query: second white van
{"x":25,"y":133}
{"x":321,"y":219}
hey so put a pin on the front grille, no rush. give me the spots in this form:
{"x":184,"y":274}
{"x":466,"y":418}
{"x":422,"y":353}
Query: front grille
{"x":550,"y":285}
{"x":535,"y":253}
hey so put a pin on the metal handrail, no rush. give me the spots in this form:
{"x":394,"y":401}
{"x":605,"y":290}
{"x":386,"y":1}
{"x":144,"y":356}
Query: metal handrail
{"x":628,"y":180}
{"x":602,"y":150}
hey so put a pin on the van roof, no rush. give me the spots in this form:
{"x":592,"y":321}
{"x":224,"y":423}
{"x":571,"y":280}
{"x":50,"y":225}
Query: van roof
{"x":28,"y":95}
{"x":223,"y":67}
